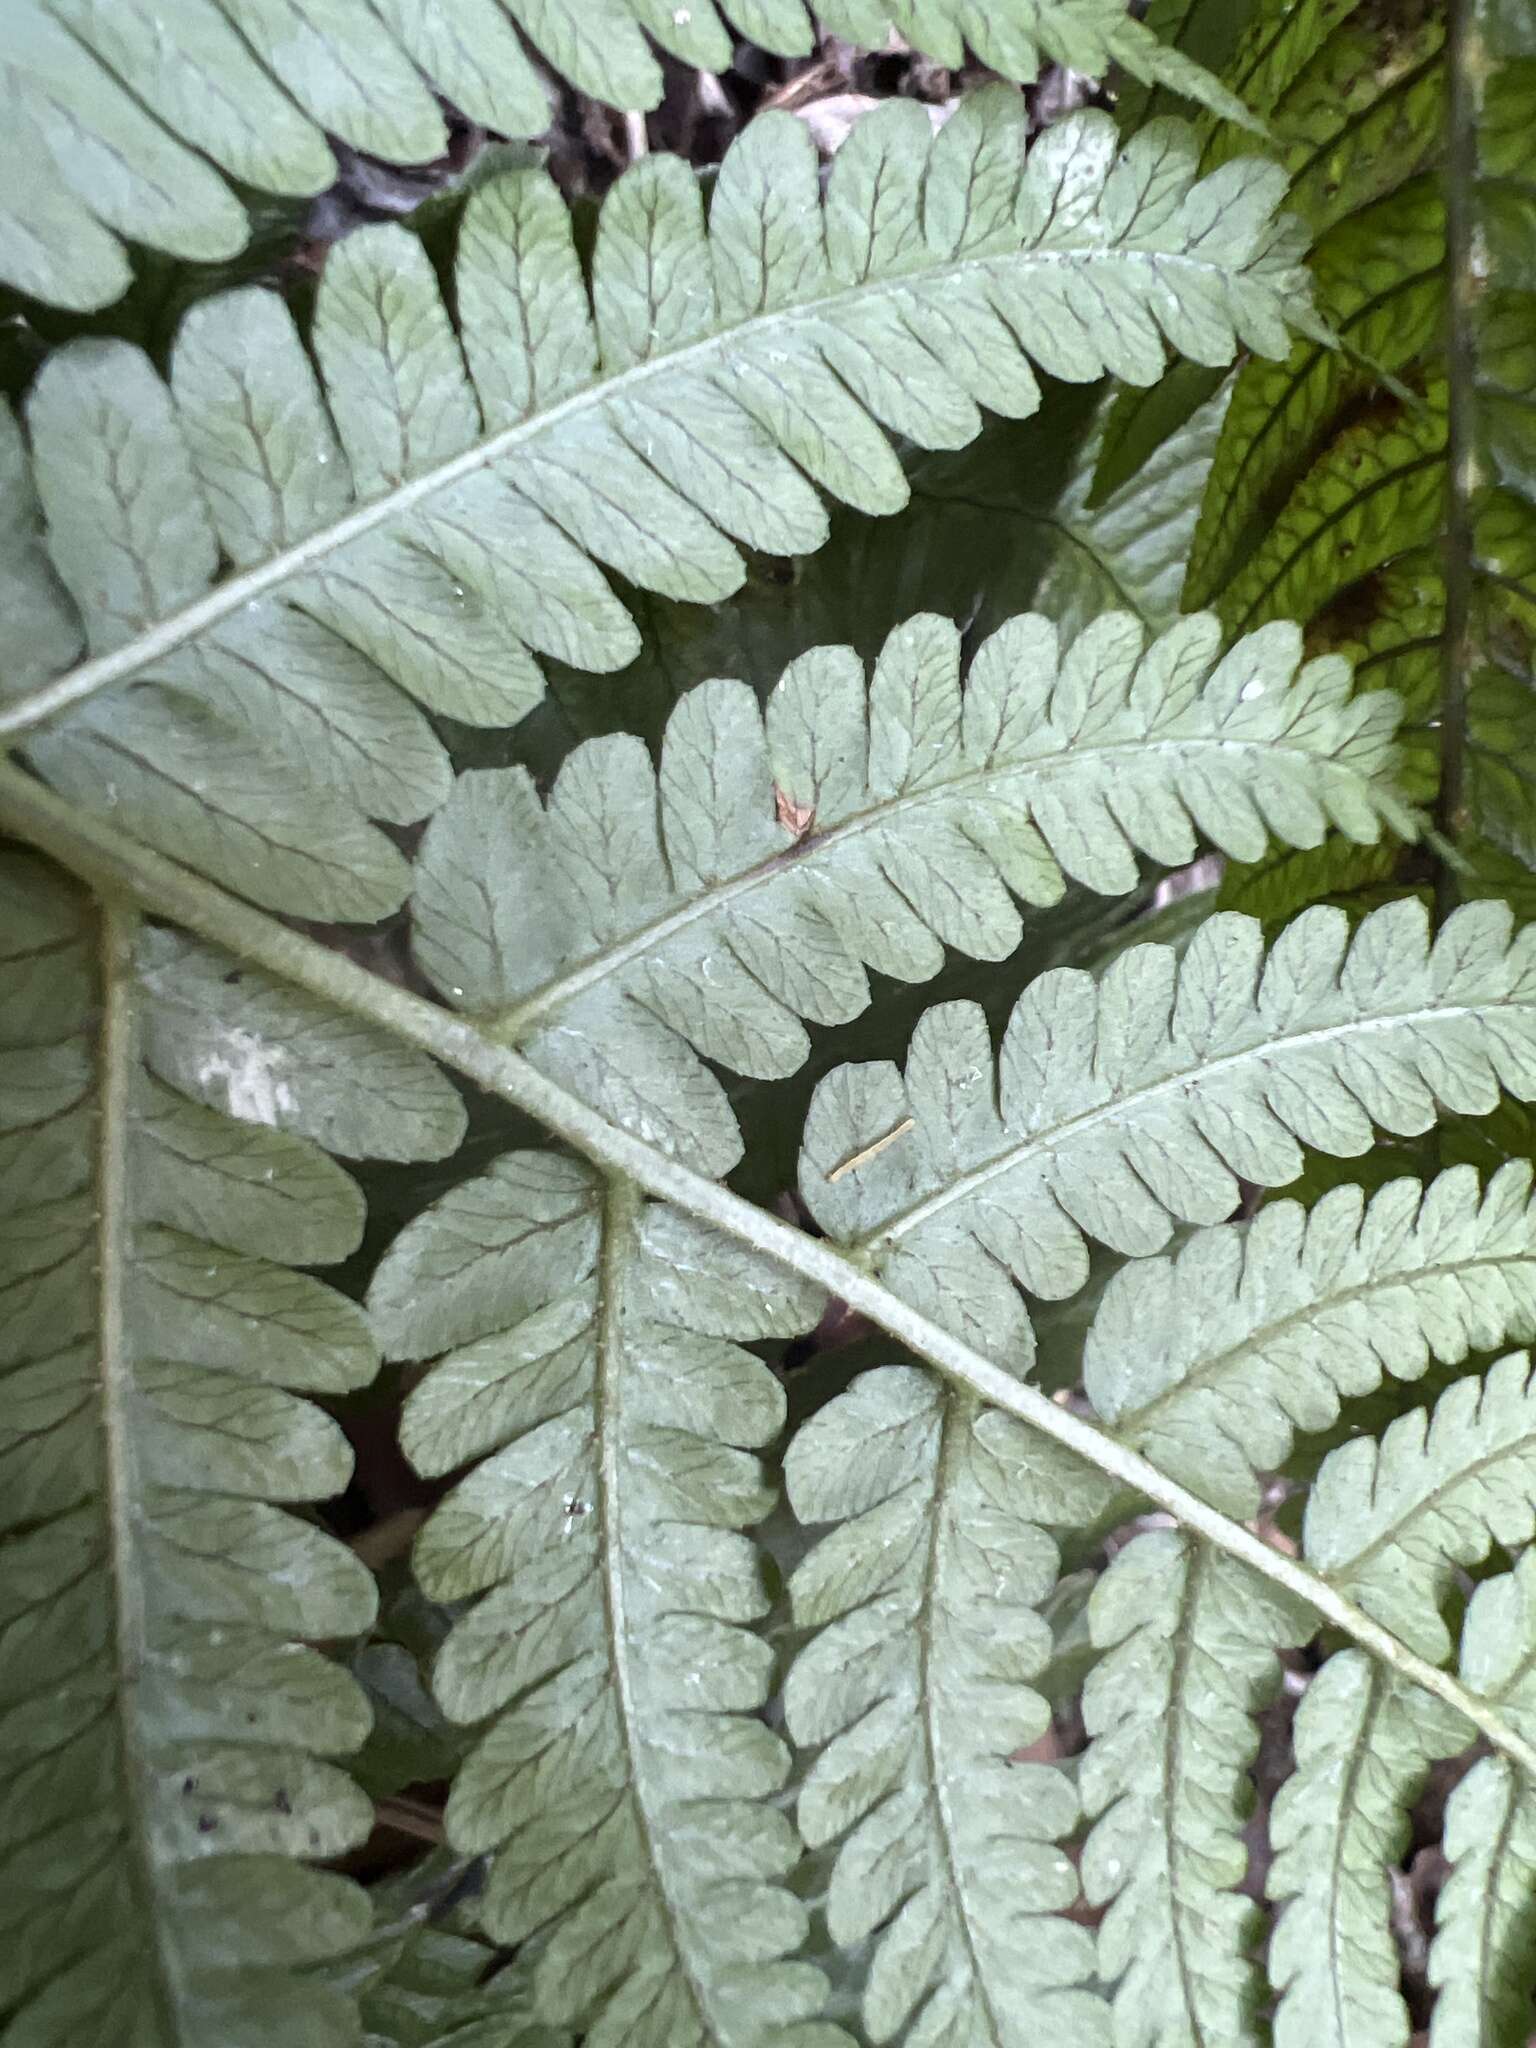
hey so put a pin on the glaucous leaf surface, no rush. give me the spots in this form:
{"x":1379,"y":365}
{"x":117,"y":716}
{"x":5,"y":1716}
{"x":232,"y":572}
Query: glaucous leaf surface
{"x":1121,"y":1107}
{"x":282,"y":557}
{"x":1187,"y":1641}
{"x":594,"y":1383}
{"x":168,"y":1724}
{"x":643,"y":922}
{"x":1210,"y":1361}
{"x":911,"y":1696}
{"x":1364,"y":1742}
{"x":119,"y":116}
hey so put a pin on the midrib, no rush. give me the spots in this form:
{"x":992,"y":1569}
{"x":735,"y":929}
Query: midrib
{"x":622,"y":1205}
{"x":121,"y":1478}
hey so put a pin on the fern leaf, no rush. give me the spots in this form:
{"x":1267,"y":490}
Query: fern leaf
{"x":113,"y":129}
{"x":1354,"y":877}
{"x":1210,"y":1361}
{"x":1204,"y":31}
{"x":744,"y":888}
{"x":1128,"y":547}
{"x":1380,"y":277}
{"x":225,"y":758}
{"x":165,"y":1724}
{"x":431,"y":1983}
{"x":1119,"y":1107}
{"x":1000,"y":527}
{"x":1377,"y":492}
{"x":1328,"y":493}
{"x":915,"y":1693}
{"x":621,"y":1779}
{"x":1364,"y":1742}
{"x":449,"y":524}
{"x":1389,"y":1520}
{"x":1189,"y":1640}
{"x":1480,"y":1961}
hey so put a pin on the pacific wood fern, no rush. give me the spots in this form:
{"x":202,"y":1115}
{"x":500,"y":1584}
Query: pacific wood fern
{"x":1014,"y":1575}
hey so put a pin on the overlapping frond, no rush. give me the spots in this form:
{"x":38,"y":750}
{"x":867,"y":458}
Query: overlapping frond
{"x":165,"y":1722}
{"x":430,"y":1980}
{"x":1390,"y":1519}
{"x":1119,"y":1107}
{"x":1209,"y":1362}
{"x":118,"y":119}
{"x":285,"y":546}
{"x":1000,"y":527}
{"x":1188,"y":1640}
{"x":1480,"y":1962}
{"x":1397,"y":514}
{"x":596,"y":1386}
{"x":644,"y":922}
{"x":1485,"y":1919}
{"x":1364,"y":1742}
{"x":914,"y":1695}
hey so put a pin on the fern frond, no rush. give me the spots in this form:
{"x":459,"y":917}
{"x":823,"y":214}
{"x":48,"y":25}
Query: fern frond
{"x":1204,"y":31}
{"x":1399,"y":519}
{"x":1485,"y":1919}
{"x":745,"y":887}
{"x":165,"y":1723}
{"x":1000,"y":527}
{"x":432,"y":506}
{"x":1364,"y":1743}
{"x":622,"y":1779}
{"x":113,"y":125}
{"x":1380,"y":277}
{"x":1129,"y":547}
{"x":431,"y":1982}
{"x":1189,"y":1640}
{"x":1122,"y":1106}
{"x":1210,"y":1361}
{"x":1376,"y":493}
{"x":915,"y":1693}
{"x":1390,"y":1519}
{"x":1485,"y":1934}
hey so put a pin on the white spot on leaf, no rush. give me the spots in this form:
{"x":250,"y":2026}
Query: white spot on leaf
{"x":246,"y":1073}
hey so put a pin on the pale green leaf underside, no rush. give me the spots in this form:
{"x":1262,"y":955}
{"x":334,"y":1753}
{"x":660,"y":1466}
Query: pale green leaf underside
{"x":431,"y":1989}
{"x":645,"y":921}
{"x":622,"y":1780}
{"x":1188,"y":1640}
{"x":164,"y":1721}
{"x":1481,"y":1956}
{"x":1480,"y":1961}
{"x":913,"y":1693}
{"x":501,"y":1275}
{"x":287,"y":550}
{"x":1209,"y":1362}
{"x":1389,"y":1518}
{"x":1364,"y":1742}
{"x":1119,"y":1107}
{"x":118,"y":116}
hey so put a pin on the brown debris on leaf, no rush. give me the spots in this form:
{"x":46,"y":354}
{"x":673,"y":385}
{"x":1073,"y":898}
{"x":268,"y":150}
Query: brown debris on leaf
{"x":797,"y":819}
